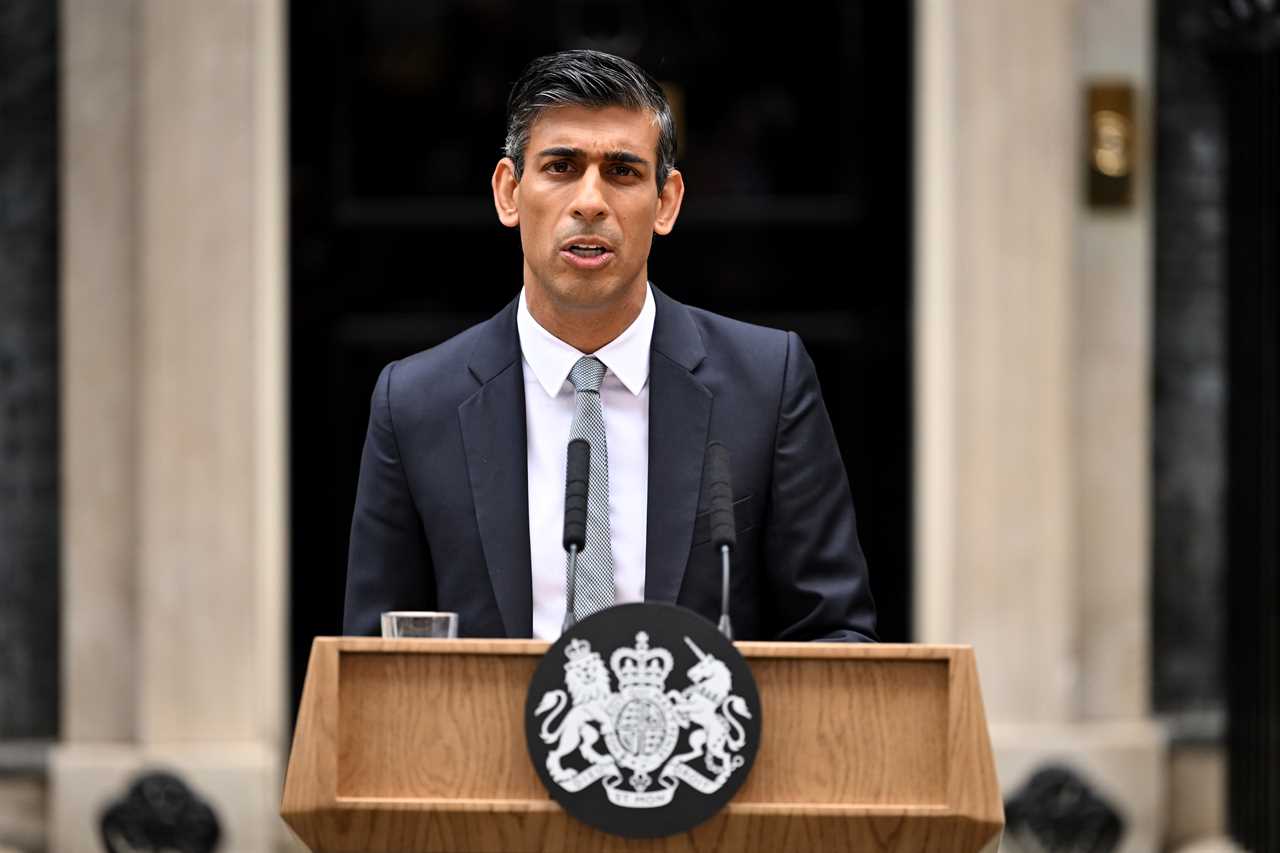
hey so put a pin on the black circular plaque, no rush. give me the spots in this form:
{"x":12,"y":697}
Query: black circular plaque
{"x":643,"y":720}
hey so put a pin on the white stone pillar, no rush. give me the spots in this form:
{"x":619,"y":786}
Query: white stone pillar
{"x":1032,"y":395}
{"x":173,"y":382}
{"x":994,"y":327}
{"x":1114,"y":372}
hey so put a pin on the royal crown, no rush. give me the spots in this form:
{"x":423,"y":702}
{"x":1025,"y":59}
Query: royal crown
{"x":580,"y":656}
{"x":577,"y":648}
{"x":641,"y":666}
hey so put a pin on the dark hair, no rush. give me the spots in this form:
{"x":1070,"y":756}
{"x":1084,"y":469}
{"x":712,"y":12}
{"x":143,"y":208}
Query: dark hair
{"x":587,"y":78}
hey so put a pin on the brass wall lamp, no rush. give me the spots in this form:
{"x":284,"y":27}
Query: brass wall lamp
{"x":1109,"y":145}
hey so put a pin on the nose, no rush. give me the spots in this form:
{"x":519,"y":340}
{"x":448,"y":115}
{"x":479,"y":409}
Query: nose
{"x":589,"y":203}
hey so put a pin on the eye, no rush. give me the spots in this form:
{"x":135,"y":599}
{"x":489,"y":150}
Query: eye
{"x":555,"y":166}
{"x":624,"y":171}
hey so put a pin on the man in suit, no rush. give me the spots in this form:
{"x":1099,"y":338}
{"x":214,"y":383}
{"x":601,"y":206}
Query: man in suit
{"x":460,"y":503}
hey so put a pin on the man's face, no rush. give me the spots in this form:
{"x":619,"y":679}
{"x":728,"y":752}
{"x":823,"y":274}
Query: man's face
{"x":588,"y":205}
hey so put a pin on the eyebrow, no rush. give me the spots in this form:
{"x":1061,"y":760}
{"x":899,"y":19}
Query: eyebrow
{"x":611,"y":156}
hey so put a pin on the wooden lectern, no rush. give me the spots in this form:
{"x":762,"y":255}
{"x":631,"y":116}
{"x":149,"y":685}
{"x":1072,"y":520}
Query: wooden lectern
{"x":419,"y":745}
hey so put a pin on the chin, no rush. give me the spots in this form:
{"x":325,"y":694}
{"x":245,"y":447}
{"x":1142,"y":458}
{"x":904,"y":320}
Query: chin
{"x":585,"y":290}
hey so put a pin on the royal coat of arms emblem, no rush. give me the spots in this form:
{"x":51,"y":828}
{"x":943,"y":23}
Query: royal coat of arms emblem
{"x":628,"y":737}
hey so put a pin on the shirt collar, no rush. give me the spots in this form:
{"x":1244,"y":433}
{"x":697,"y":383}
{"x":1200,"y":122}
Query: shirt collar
{"x":626,"y":356}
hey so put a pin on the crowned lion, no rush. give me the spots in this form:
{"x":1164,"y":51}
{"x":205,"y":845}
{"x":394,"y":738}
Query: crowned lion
{"x":588,"y":683}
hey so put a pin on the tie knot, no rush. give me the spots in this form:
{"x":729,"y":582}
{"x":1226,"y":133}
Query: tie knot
{"x":587,"y":374}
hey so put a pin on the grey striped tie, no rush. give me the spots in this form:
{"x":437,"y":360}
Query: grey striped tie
{"x":594,"y":589}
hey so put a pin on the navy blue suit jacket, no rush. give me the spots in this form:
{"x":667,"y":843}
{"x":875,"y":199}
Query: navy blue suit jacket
{"x":441,"y":517}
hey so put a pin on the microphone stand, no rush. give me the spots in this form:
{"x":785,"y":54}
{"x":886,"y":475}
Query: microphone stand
{"x":725,"y":626}
{"x":569,"y":619}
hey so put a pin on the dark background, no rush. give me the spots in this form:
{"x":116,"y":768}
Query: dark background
{"x":793,"y":134}
{"x":1216,"y":418}
{"x":795,"y":144}
{"x":29,"y":521}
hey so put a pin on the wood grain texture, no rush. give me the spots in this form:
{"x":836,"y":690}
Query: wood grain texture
{"x":311,"y":779}
{"x":418,"y":745}
{"x":456,"y":715}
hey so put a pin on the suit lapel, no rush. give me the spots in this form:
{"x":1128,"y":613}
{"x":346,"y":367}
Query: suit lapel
{"x":493,"y":432}
{"x":679,"y":417}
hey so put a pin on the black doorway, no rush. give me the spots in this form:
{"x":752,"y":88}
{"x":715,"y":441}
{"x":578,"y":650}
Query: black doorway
{"x":795,"y":142}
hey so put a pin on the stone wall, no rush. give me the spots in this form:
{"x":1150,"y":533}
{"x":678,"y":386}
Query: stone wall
{"x":172,"y":285}
{"x":1033,"y":392}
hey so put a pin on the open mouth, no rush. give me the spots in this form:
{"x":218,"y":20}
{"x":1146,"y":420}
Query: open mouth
{"x":586,"y":256}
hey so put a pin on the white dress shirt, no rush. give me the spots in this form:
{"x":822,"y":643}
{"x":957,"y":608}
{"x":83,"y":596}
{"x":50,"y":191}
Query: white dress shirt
{"x":549,"y":408}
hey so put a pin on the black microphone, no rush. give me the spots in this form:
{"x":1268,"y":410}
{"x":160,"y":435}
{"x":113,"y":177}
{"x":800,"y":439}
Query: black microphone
{"x":723,"y":531}
{"x":576,"y":479}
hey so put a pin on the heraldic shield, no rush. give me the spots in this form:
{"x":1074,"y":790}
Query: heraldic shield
{"x":643,"y":720}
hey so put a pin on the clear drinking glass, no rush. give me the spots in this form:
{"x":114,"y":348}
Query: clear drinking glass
{"x":419,"y":623}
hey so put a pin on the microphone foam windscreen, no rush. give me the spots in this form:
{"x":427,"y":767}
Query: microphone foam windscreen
{"x":720,"y":495}
{"x":577,"y":477}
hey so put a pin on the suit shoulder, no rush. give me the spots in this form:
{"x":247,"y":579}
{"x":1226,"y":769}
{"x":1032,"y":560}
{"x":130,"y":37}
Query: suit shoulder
{"x":449,"y":355}
{"x":721,"y":333}
{"x":443,"y":368}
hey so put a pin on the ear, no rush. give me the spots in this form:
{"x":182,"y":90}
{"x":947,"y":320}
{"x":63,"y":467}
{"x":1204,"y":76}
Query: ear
{"x":506,"y":192}
{"x":669,"y":201}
